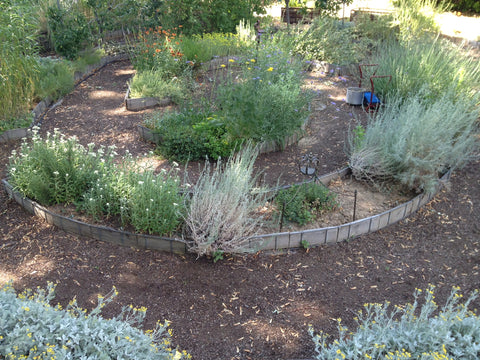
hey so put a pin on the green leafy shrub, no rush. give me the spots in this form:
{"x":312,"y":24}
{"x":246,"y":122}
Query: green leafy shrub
{"x":222,"y":213}
{"x":70,"y":31}
{"x":55,"y":79}
{"x":267,"y":103}
{"x":414,"y":143}
{"x":31,"y":328}
{"x":330,"y":41}
{"x":302,"y":203}
{"x":191,"y":134}
{"x":412,"y":331}
{"x":159,"y":50}
{"x":156,"y":205}
{"x":377,"y":28}
{"x":56,"y":170}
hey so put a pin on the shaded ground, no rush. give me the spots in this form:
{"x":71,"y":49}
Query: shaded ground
{"x":256,"y":307}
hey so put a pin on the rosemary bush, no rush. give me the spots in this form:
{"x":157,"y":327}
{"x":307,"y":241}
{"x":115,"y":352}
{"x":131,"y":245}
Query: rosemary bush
{"x":30,"y":328}
{"x":413,"y":142}
{"x":55,"y":79}
{"x":412,"y":331}
{"x":221,"y":213}
{"x":151,"y":83}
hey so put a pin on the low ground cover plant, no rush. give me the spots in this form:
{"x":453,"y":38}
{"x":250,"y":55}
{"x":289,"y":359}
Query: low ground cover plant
{"x":303,"y":203}
{"x":32,"y":328}
{"x":418,"y":330}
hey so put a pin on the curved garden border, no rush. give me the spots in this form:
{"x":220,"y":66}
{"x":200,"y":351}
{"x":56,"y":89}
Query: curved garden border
{"x":275,"y":241}
{"x":44,"y":105}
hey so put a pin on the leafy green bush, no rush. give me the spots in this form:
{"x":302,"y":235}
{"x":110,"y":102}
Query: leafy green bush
{"x":328,"y":40}
{"x":267,"y":103}
{"x":55,"y":79}
{"x":70,"y":31}
{"x":156,"y":205}
{"x":61,"y":171}
{"x":56,"y":170}
{"x":302,"y":203}
{"x":159,"y":50}
{"x":222,"y":212}
{"x":412,"y":331}
{"x":191,"y":134}
{"x":414,"y":142}
{"x":379,"y":28}
{"x":31,"y":328}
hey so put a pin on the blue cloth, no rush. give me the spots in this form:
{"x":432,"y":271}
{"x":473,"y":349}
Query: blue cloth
{"x":368,"y":95}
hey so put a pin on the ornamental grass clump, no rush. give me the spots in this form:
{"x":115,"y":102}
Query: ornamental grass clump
{"x":31,"y":328}
{"x":414,"y":143}
{"x":222,"y":213}
{"x":421,"y":330}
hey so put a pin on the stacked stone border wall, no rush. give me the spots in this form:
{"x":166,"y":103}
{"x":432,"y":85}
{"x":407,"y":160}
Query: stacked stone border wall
{"x":276,"y":241}
{"x":43,"y":106}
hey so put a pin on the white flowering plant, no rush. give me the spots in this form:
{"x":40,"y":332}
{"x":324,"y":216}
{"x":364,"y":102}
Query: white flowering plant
{"x":31,"y":328}
{"x":412,"y":331}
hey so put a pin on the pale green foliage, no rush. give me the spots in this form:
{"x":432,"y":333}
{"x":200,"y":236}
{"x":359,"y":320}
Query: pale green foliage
{"x":30,"y":328}
{"x":416,"y":18}
{"x":414,"y":142}
{"x":434,"y":65}
{"x":412,"y":331}
{"x":151,"y":83}
{"x":221,"y":213}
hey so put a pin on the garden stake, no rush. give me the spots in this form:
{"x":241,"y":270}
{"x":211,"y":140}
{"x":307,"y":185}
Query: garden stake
{"x":354,"y":204}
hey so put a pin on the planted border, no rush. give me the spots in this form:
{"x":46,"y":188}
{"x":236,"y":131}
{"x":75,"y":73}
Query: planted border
{"x":275,"y":241}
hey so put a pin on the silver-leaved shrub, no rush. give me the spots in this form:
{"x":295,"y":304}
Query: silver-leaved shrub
{"x":30,"y":328}
{"x":413,"y":331}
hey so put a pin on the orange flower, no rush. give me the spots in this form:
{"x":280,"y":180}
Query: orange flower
{"x":176,"y":42}
{"x":157,"y":50}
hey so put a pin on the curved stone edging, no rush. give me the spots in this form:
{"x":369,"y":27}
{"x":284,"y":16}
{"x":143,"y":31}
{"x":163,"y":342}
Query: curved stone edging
{"x":42,"y":106}
{"x":276,"y":241}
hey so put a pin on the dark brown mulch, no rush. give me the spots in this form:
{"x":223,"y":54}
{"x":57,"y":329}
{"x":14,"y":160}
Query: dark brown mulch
{"x":252,"y":307}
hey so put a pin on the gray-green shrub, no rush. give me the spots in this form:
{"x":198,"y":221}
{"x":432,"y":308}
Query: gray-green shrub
{"x":221,"y":214}
{"x":414,"y":142}
{"x":31,"y":328}
{"x":421,"y":330}
{"x":434,"y":65}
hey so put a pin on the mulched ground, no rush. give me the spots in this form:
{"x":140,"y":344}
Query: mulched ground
{"x":252,"y":307}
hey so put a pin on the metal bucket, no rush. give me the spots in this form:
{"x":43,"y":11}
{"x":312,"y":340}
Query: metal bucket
{"x":355,"y":95}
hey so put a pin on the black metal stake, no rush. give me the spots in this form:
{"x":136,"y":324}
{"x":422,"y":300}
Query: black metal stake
{"x":354,"y":204}
{"x":281,"y":217}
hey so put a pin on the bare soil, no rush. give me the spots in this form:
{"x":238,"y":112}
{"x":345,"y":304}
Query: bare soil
{"x":252,"y":307}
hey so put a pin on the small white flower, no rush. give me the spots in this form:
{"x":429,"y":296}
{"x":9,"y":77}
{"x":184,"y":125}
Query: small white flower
{"x":56,"y":173}
{"x":140,"y":183}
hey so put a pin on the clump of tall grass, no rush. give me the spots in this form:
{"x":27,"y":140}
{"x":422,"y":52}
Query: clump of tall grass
{"x":421,"y":330}
{"x":435,"y":65}
{"x":221,"y":214}
{"x":54,"y":80}
{"x":17,"y":63}
{"x":413,"y":142}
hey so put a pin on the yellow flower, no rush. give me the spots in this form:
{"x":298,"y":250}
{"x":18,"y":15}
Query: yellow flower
{"x":249,"y":68}
{"x":252,"y":60}
{"x":231,"y":60}
{"x":222,"y":66}
{"x":270,"y":69}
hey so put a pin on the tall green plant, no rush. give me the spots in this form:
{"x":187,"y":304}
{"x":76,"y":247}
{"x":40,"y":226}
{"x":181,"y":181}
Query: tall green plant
{"x":435,"y":65}
{"x":17,"y":63}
